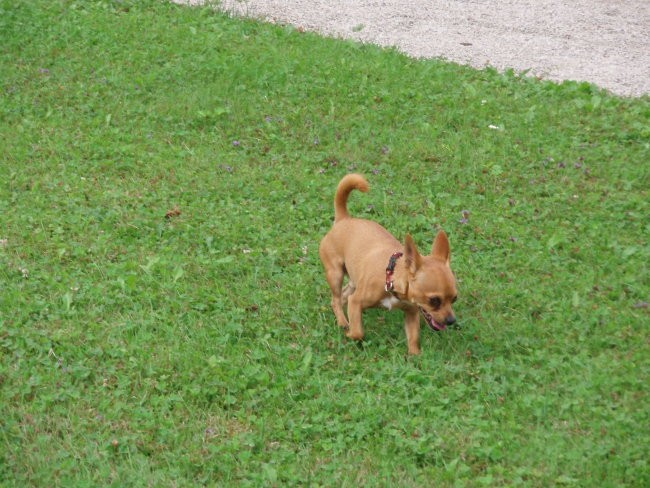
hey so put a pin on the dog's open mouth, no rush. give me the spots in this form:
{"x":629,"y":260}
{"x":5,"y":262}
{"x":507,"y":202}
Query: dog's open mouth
{"x":431,"y":322}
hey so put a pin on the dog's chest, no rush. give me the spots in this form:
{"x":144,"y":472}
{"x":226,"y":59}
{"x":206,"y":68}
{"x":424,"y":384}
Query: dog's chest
{"x":389,"y":302}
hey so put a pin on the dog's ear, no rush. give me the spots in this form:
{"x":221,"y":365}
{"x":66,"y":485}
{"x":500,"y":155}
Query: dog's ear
{"x":440,"y":247}
{"x":411,"y":255}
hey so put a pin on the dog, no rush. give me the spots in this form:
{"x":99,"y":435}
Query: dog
{"x":382,"y":272}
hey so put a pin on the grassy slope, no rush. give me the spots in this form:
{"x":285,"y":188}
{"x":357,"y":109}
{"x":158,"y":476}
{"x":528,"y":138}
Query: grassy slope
{"x":141,"y":349}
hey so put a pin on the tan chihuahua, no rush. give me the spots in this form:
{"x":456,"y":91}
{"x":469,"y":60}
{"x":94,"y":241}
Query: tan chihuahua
{"x":383,"y":272}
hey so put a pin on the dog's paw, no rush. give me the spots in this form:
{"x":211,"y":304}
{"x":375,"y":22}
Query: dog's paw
{"x":354,"y":335}
{"x":414,"y":351}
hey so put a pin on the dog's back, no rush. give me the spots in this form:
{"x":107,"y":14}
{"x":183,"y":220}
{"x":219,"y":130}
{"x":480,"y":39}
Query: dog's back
{"x":352,"y":233}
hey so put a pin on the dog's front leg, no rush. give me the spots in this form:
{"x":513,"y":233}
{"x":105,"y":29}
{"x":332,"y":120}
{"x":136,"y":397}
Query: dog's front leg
{"x":412,"y":328}
{"x":355,"y":308}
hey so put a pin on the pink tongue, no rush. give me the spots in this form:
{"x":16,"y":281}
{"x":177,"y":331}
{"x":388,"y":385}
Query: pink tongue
{"x":432,"y":323}
{"x":438,"y":326}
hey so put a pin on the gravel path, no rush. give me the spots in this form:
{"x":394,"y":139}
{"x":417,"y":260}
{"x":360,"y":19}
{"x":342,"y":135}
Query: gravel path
{"x":606,"y":42}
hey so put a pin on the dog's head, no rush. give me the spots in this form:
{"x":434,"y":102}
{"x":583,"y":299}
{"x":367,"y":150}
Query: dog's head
{"x":432,"y":286}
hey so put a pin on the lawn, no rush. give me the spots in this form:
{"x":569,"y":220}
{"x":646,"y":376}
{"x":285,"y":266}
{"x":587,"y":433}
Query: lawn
{"x":166,"y":174}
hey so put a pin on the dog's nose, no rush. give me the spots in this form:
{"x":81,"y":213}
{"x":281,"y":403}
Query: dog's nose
{"x":450,"y":320}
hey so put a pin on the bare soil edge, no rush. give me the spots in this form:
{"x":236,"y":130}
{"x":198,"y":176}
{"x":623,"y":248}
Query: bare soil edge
{"x":598,"y":41}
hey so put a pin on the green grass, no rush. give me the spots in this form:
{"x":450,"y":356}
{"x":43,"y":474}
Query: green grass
{"x":199,"y":348}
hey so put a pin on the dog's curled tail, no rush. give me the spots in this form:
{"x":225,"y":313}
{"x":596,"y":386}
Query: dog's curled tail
{"x":346,"y":185}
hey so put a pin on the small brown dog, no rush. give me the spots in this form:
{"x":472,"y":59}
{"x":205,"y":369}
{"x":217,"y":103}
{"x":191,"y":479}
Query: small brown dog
{"x":361,"y":249}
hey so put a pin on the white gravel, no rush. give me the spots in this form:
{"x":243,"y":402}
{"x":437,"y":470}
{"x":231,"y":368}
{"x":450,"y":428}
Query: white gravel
{"x":606,"y":42}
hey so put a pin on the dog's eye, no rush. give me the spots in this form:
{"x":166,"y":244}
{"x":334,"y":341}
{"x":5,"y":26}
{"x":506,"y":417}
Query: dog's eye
{"x":435,"y":302}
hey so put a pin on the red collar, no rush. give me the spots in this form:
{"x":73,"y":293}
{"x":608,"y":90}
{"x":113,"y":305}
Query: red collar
{"x":390,"y":269}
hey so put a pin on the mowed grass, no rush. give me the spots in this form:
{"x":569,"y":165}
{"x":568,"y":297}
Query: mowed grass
{"x":166,"y":175}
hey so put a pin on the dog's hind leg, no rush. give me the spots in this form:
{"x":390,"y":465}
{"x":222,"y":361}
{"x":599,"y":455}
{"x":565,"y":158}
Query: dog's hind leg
{"x":355,"y":309}
{"x":347,"y":291}
{"x":334,"y":276}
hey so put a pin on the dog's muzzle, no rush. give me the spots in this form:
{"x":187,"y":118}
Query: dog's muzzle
{"x":433,"y":324}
